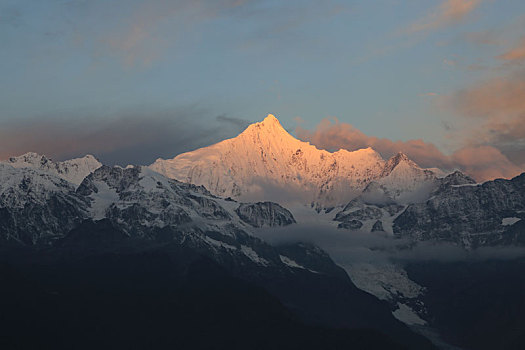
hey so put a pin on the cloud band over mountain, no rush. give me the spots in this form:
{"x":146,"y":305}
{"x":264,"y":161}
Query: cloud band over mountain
{"x":483,"y":162}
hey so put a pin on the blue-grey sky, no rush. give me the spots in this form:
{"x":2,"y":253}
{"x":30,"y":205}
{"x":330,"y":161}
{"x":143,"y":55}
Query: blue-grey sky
{"x":133,"y":80}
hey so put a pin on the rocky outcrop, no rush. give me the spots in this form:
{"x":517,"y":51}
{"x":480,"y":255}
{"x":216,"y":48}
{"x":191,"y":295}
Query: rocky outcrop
{"x":466,"y":213}
{"x":378,"y":226}
{"x":36,"y":207}
{"x":364,"y":214}
{"x":351,"y":224}
{"x":402,"y":181}
{"x":265,"y":214}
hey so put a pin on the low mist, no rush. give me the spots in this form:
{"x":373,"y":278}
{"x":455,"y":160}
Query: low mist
{"x":348,"y":247}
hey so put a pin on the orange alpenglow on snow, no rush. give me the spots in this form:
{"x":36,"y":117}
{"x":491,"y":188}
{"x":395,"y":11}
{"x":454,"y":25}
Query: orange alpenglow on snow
{"x":265,"y":161}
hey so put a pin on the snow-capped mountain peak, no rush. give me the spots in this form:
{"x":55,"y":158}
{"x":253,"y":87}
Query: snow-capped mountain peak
{"x":400,"y":159}
{"x":270,"y":126}
{"x":403,"y":180}
{"x":28,"y":160}
{"x":269,"y":121}
{"x":265,"y":162}
{"x":72,"y":170}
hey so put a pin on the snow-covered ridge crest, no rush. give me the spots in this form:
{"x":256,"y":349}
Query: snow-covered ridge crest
{"x":403,"y":181}
{"x":72,"y":170}
{"x":265,"y":162}
{"x":37,"y":206}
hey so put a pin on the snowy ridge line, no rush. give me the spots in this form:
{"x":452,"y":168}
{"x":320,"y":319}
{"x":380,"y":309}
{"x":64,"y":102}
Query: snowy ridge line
{"x":72,"y":170}
{"x":267,"y":163}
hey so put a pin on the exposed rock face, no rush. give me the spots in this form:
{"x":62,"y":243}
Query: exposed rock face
{"x":265,"y":214}
{"x":117,"y":210}
{"x":351,"y":224}
{"x":401,"y":181}
{"x":378,"y":226}
{"x":468,"y":214}
{"x":113,"y":205}
{"x":36,"y":207}
{"x":456,"y":210}
{"x":455,"y":179}
{"x":141,"y":198}
{"x":364,"y":213}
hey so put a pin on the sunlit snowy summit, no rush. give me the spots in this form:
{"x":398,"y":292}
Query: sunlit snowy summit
{"x":265,"y":161}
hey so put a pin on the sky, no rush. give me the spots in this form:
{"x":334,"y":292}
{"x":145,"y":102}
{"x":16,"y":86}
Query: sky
{"x":131,"y":81}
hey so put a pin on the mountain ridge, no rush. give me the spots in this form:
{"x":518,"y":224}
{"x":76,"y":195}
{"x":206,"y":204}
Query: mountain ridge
{"x":72,"y":170}
{"x":41,"y":206}
{"x":265,"y":157}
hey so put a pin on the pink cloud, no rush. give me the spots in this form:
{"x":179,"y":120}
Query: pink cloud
{"x":485,"y":163}
{"x":136,"y":38}
{"x":481,"y":162}
{"x":496,"y":111}
{"x":447,"y":13}
{"x":515,"y":54}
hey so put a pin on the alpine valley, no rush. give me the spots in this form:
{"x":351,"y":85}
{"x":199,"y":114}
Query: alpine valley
{"x":260,"y":241}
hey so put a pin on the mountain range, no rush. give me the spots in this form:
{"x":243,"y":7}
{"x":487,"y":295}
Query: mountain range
{"x":125,"y":213}
{"x":266,"y":161}
{"x":369,"y":193}
{"x":217,"y":203}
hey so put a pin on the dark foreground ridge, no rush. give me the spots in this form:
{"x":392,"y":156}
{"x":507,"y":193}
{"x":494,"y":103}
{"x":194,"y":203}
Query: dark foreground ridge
{"x":475,"y":304}
{"x":135,"y":294}
{"x":82,"y":246}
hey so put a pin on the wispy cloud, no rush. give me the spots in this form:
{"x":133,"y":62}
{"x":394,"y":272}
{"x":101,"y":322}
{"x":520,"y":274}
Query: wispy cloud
{"x":144,"y":31}
{"x":485,"y":162}
{"x":495,"y":111}
{"x":239,"y":123}
{"x":488,"y":37}
{"x":516,"y":54}
{"x":353,"y":247}
{"x":449,"y":62}
{"x":447,"y":13}
{"x":139,"y":32}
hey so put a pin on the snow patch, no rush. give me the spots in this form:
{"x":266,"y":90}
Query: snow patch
{"x":466,"y":185}
{"x":252,"y":254}
{"x":509,"y":221}
{"x":102,"y":200}
{"x":385,"y":281}
{"x":220,"y":244}
{"x":73,"y":170}
{"x":406,"y":315}
{"x":291,"y":263}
